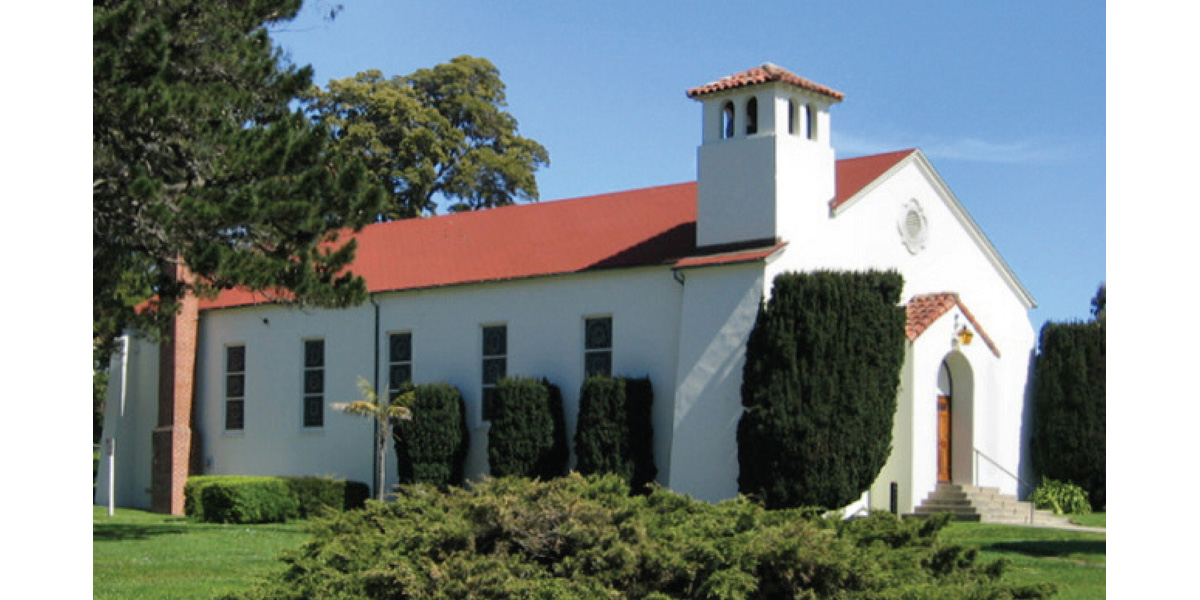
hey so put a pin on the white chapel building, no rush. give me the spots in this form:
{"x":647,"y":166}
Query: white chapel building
{"x":663,"y":282}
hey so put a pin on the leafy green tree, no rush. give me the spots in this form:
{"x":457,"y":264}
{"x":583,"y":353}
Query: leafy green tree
{"x":819,"y":388}
{"x":200,"y":160}
{"x":437,"y":133}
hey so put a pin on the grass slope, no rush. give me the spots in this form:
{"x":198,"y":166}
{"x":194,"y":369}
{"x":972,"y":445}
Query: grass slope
{"x":137,"y":554}
{"x":1072,"y":560}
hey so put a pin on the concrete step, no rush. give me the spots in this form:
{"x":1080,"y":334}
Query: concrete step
{"x":985,"y":504}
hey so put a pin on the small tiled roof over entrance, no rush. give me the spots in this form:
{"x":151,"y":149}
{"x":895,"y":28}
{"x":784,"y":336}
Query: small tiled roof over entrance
{"x":923,"y":310}
{"x":642,"y":227}
{"x":763,"y":74}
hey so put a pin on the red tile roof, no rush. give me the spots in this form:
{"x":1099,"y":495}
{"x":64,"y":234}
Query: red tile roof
{"x":649,"y":226}
{"x":923,"y":310}
{"x":766,"y":73}
{"x":853,"y":174}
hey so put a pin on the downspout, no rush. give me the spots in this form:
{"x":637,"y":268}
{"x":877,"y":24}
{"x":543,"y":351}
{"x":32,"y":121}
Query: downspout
{"x":375,"y":385}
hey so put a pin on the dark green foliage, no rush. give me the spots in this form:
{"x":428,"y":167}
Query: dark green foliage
{"x":639,"y":404}
{"x":576,"y":537}
{"x":432,"y":446}
{"x":524,"y":432}
{"x":1069,"y":406}
{"x":554,"y":463}
{"x":253,"y":499}
{"x":199,"y":155}
{"x":614,"y":432}
{"x":819,"y":387}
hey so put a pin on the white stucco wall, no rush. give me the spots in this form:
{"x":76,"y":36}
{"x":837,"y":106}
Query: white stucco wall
{"x":719,"y":309}
{"x":545,"y":321}
{"x":130,"y":415}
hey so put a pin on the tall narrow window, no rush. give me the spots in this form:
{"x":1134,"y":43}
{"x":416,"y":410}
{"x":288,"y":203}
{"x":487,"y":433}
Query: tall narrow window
{"x":810,"y":121}
{"x":597,"y":346}
{"x":727,"y":121}
{"x":752,"y":116}
{"x":792,"y":116}
{"x":399,"y":362}
{"x":314,"y":383}
{"x":235,"y":388}
{"x":495,"y":364}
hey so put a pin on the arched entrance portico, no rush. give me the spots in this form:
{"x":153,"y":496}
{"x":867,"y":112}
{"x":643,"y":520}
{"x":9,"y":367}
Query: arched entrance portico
{"x":955,"y":408}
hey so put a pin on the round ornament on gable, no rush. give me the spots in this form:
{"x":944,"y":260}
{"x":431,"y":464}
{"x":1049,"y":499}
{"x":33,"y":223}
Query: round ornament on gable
{"x":913,"y":226}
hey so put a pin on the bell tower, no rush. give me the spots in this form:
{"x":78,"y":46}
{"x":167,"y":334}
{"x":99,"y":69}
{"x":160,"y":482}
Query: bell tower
{"x":765,"y":168}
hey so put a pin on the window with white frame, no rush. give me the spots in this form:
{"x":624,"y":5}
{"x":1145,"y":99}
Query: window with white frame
{"x":314,"y":384}
{"x":597,"y":346}
{"x":495,"y":364}
{"x":235,"y":388}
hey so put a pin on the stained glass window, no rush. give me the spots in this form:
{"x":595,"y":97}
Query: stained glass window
{"x":235,"y":388}
{"x":314,"y":384}
{"x":399,"y":362}
{"x":495,"y":364}
{"x":597,"y":344}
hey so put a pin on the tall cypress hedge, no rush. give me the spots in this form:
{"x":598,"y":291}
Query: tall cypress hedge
{"x":527,"y":436}
{"x":819,"y":387}
{"x":1069,"y":406}
{"x":614,"y":432}
{"x":432,"y":446}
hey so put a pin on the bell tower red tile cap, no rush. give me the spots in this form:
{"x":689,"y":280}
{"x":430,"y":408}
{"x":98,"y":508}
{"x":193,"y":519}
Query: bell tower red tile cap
{"x":763,"y":74}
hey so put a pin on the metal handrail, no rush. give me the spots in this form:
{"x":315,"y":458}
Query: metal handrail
{"x":1020,"y":481}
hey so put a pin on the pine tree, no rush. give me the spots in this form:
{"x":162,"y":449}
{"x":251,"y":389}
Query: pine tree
{"x":819,"y":388}
{"x":199,"y":158}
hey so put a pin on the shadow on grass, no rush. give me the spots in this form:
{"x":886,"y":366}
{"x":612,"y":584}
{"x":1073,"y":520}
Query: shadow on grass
{"x":121,"y":532}
{"x":1060,"y":549}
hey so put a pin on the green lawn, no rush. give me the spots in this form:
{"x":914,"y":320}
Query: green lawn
{"x":1072,"y":560}
{"x":143,"y":555}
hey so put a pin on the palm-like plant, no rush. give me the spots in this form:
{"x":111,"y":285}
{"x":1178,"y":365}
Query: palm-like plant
{"x":383,"y":412}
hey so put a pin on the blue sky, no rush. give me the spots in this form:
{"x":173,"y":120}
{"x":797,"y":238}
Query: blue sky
{"x":1007,"y":99}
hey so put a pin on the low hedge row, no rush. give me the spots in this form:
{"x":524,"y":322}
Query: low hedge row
{"x":254,"y":499}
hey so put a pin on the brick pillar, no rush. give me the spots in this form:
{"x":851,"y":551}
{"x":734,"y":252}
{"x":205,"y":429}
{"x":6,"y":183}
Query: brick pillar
{"x":172,"y":439}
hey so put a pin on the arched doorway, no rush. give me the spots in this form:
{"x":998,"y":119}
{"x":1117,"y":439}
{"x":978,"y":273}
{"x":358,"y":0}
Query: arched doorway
{"x":955,"y":404}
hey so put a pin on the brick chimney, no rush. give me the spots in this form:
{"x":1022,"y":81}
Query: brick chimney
{"x":174,"y":449}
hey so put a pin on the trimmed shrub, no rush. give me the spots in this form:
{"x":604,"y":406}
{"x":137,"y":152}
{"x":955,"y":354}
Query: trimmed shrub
{"x":248,"y":500}
{"x":615,"y":432}
{"x":819,"y":388}
{"x":576,"y":537}
{"x":522,"y":431}
{"x":309,"y":495}
{"x":1069,"y":406}
{"x":432,"y":446}
{"x":1061,"y":497}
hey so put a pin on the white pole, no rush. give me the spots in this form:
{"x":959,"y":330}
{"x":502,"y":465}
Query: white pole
{"x":110,"y":447}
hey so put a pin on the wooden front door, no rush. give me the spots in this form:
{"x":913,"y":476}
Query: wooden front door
{"x":943,"y":449}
